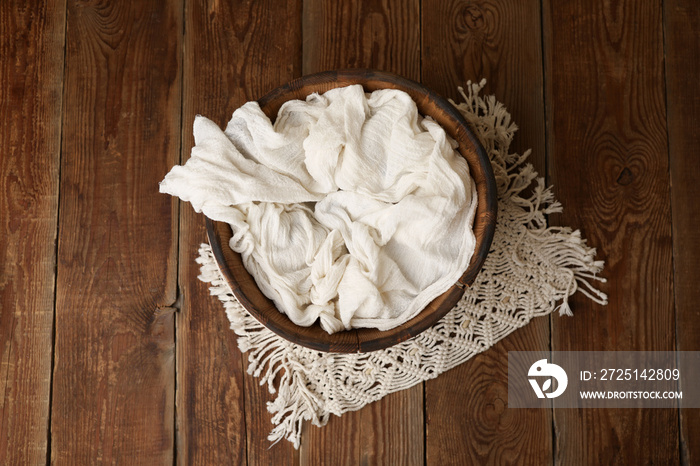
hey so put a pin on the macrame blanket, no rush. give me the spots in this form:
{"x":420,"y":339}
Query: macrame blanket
{"x":351,"y":209}
{"x":531,"y":271}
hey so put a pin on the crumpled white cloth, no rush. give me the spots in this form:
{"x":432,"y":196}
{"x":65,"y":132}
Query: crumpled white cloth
{"x":351,"y":208}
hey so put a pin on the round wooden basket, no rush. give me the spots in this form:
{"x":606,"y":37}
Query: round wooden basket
{"x":364,"y":340}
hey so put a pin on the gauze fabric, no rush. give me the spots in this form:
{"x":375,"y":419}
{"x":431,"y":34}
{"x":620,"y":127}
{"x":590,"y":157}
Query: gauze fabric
{"x":351,"y":209}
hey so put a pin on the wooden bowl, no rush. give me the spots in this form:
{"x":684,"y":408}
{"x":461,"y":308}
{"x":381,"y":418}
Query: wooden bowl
{"x":364,"y":340}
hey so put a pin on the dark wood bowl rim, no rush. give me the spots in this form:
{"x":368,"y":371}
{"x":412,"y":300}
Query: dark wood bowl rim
{"x":366,"y":340}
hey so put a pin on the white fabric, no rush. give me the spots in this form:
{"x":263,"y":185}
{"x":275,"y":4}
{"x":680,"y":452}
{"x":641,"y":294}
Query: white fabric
{"x":530,"y":271}
{"x":351,"y":208}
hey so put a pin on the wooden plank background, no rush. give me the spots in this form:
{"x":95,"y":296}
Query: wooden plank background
{"x":111,"y":351}
{"x":114,"y":373}
{"x":31,"y":82}
{"x":625,"y":207}
{"x":499,"y":41}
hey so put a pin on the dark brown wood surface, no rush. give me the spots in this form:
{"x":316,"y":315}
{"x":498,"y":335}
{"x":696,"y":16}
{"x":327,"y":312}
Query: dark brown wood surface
{"x":31,"y":81}
{"x":682,"y":33}
{"x":499,"y":40}
{"x":111,"y":351}
{"x":233,"y":53}
{"x":220,"y":75}
{"x":606,"y":121}
{"x":210,"y":400}
{"x":114,"y":370}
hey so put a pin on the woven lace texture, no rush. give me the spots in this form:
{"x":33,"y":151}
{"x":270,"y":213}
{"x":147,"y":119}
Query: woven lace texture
{"x":530,"y":271}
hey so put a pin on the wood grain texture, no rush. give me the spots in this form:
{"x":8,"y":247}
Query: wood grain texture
{"x":467,"y":417}
{"x":234,"y":52}
{"x":381,"y":35}
{"x":496,"y":40}
{"x":210,"y":399}
{"x":337,"y":443}
{"x":499,"y":40}
{"x":114,"y":274}
{"x":682,"y":26}
{"x":113,"y":391}
{"x":609,"y":166}
{"x":392,"y":429}
{"x":31,"y":79}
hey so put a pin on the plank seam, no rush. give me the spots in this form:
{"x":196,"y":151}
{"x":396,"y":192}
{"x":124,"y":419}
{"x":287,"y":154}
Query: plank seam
{"x":543,"y":46}
{"x":58,"y":214}
{"x":682,"y":447}
{"x":178,"y":290}
{"x":425,"y":421}
{"x":420,"y":41}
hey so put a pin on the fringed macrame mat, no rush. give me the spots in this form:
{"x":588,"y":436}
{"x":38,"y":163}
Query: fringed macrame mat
{"x":530,"y":271}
